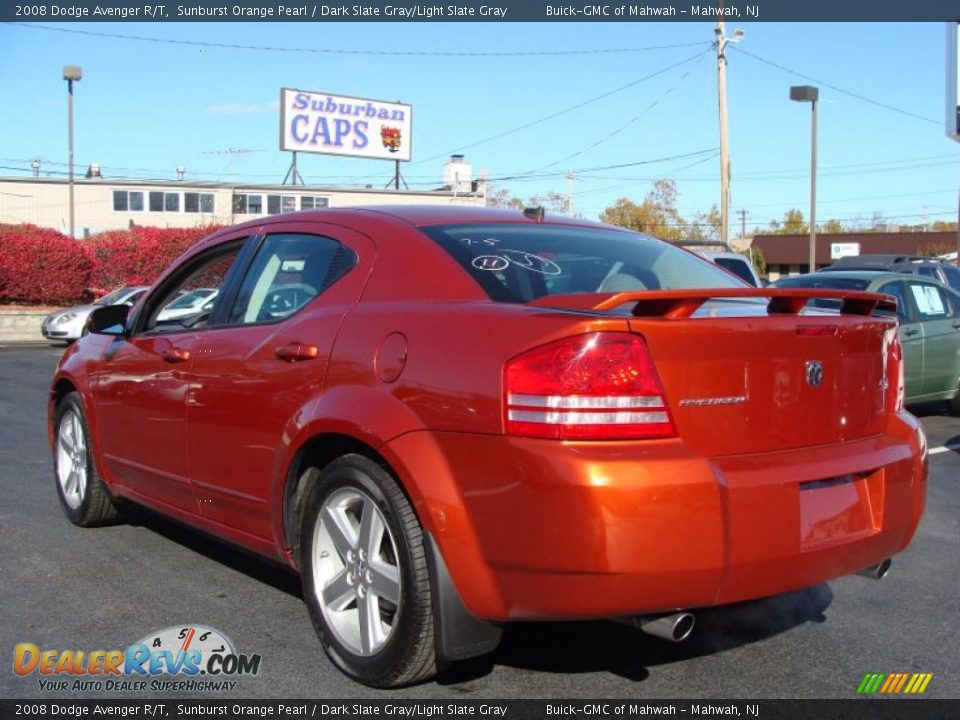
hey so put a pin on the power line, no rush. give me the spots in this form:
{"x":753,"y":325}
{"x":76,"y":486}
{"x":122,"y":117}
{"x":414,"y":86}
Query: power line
{"x":566,"y":110}
{"x":857,"y":96}
{"x":345,"y":51}
{"x":632,"y":120}
{"x":537,"y":176}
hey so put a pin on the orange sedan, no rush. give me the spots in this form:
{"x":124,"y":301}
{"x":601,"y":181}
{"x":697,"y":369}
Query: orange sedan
{"x":451,"y":418}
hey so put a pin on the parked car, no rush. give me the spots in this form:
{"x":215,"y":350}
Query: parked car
{"x":929,"y":318}
{"x":464,"y":425}
{"x":68,"y":324}
{"x":739,"y":265}
{"x":191,"y":303}
{"x":938,"y":269}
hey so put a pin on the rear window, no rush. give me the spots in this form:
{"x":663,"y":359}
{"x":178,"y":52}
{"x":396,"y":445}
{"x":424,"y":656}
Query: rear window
{"x":823,"y":283}
{"x":739,"y":267}
{"x":520,"y":263}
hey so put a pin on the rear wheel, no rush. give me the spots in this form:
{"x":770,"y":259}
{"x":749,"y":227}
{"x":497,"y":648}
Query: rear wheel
{"x":83,"y":496}
{"x":365,"y":576}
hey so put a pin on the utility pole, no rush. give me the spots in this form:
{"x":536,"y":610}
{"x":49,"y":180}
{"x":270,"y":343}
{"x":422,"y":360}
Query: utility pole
{"x":570,"y":179}
{"x":721,"y":46}
{"x":743,"y":223}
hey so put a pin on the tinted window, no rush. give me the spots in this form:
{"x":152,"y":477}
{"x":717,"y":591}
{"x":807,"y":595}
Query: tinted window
{"x":952,"y":274}
{"x":519,"y":263}
{"x":896,"y":289}
{"x":207,"y":272}
{"x":287,"y":273}
{"x":823,"y":282}
{"x":740,"y":268}
{"x":927,"y":271}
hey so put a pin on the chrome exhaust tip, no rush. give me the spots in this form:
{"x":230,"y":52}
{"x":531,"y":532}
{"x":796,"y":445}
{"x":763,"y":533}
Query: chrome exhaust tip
{"x":676,"y":627}
{"x":878,"y":571}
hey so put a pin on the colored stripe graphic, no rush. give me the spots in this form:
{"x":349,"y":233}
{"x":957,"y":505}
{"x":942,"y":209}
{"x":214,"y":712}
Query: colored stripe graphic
{"x":894,"y":683}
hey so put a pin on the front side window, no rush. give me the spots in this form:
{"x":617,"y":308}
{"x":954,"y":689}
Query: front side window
{"x":896,"y":289}
{"x":287,"y":273}
{"x":184,"y":301}
{"x":519,"y":263}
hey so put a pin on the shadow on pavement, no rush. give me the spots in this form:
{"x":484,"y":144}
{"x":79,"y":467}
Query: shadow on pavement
{"x":604,"y":646}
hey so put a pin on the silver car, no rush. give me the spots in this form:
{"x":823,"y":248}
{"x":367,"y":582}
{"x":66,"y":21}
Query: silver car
{"x":68,"y":324}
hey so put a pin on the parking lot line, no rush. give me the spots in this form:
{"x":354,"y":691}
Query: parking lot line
{"x":944,"y":448}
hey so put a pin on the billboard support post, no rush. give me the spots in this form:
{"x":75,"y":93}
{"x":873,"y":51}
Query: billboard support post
{"x":293,"y":174}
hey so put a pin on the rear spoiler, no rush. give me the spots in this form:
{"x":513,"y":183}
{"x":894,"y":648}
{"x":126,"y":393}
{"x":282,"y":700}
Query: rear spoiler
{"x":674,"y":304}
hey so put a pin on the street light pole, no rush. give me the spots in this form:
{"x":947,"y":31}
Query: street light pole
{"x":808,"y":93}
{"x":71,"y":73}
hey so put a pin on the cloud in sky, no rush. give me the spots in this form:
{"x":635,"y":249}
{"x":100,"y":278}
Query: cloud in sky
{"x":243,"y":108}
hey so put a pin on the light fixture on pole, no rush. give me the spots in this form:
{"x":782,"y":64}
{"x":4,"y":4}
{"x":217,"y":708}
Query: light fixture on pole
{"x":811,"y":94}
{"x":71,"y":73}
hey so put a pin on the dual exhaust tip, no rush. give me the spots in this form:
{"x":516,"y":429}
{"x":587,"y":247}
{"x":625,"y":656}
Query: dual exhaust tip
{"x":677,"y":627}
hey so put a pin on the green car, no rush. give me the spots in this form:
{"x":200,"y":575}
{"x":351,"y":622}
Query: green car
{"x":929,"y":315}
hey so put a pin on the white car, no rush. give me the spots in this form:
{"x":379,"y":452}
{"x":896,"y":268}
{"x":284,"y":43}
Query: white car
{"x":194,"y":302}
{"x":736,"y":263}
{"x":68,"y":324}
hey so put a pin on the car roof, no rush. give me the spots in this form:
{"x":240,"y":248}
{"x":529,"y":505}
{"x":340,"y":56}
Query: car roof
{"x":868,"y":275}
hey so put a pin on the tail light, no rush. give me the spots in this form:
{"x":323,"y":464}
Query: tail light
{"x":896,"y":385}
{"x":601,"y":386}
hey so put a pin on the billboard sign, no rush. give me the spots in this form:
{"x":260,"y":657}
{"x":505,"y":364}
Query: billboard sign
{"x":318,"y":122}
{"x":953,"y":80}
{"x":840,"y":250}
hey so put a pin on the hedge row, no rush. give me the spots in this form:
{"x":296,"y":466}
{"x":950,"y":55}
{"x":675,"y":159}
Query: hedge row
{"x":42,"y":266}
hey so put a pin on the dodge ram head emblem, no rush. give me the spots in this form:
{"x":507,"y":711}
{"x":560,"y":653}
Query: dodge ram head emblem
{"x":814,"y":373}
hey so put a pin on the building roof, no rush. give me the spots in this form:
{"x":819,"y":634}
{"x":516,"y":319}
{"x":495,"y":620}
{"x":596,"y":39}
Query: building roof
{"x":794,"y":249}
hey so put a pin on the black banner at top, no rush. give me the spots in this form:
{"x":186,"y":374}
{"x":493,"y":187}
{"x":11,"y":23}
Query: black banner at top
{"x":478,"y":11}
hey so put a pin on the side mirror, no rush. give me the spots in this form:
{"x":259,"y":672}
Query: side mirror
{"x":108,"y":320}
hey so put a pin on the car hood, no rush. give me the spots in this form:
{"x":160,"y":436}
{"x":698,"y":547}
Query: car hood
{"x":79,"y":310}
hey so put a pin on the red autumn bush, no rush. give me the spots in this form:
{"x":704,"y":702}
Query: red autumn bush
{"x":40,"y":265}
{"x":137,"y":256}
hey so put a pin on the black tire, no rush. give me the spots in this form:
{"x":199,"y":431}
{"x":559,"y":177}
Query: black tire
{"x":408,"y":654}
{"x":953,"y":405}
{"x":94,"y":506}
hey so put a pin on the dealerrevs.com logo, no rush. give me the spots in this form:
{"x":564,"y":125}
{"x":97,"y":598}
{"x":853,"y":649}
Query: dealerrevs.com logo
{"x":198,"y":658}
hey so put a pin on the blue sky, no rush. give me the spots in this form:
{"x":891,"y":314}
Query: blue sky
{"x":145,"y":107}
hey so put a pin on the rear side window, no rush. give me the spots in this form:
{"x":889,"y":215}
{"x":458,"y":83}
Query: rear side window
{"x":931,"y":302}
{"x":288,"y":271}
{"x":520,"y":263}
{"x":896,"y":289}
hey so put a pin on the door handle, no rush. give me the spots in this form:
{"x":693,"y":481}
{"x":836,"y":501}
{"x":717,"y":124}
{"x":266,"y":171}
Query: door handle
{"x":175,"y":355}
{"x":295,"y":352}
{"x":910,"y":331}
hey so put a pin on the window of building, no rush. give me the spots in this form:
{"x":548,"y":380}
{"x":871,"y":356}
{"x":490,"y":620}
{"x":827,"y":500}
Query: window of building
{"x":310,"y":202}
{"x":164,"y":202}
{"x":198,"y":202}
{"x":277,"y":204}
{"x":247,"y":204}
{"x":127,"y":201}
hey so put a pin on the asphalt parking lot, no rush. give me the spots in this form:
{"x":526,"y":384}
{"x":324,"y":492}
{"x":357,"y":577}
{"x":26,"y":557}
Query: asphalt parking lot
{"x":68,"y":588}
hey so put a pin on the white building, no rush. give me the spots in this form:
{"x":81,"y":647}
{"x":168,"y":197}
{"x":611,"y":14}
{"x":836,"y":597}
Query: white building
{"x":112,"y":204}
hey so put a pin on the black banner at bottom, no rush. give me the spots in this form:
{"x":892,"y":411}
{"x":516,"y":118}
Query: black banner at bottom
{"x":854,"y":709}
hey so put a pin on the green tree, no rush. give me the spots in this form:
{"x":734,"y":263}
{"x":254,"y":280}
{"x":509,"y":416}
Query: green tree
{"x":831,"y":226}
{"x":657,"y":215}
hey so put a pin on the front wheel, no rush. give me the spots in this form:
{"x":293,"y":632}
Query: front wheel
{"x":365,"y":576}
{"x":83,"y":496}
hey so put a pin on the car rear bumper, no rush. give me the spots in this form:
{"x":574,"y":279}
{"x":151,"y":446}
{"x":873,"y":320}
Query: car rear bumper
{"x":538,"y":529}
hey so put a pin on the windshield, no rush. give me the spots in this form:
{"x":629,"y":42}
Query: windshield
{"x":520,"y":263}
{"x":189,"y":299}
{"x":113,"y":297}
